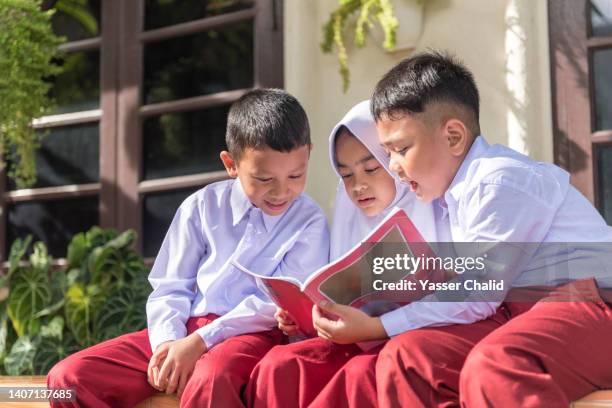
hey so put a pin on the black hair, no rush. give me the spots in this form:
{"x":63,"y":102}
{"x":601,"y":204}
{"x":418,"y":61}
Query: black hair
{"x":266,"y":118}
{"x":428,"y":77}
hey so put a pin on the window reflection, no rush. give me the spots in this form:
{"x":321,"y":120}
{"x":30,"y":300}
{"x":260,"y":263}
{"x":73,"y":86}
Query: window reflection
{"x":75,"y":19}
{"x":602,"y":77}
{"x":53,"y":222}
{"x":77,"y":88}
{"x":161,"y":13}
{"x":208,"y":62}
{"x":157,"y":212}
{"x":183,"y":143}
{"x":601,"y":18}
{"x":67,"y":155}
{"x":604,"y":170}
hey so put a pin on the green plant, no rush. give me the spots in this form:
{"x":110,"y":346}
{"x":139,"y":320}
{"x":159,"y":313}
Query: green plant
{"x":48,"y":315}
{"x":368,"y":12}
{"x":27,"y":48}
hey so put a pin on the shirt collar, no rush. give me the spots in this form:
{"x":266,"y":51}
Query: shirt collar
{"x":240,"y":206}
{"x":477,"y":150}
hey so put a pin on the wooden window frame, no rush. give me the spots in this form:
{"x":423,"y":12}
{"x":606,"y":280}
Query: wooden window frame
{"x":571,"y":52}
{"x":121,"y":189}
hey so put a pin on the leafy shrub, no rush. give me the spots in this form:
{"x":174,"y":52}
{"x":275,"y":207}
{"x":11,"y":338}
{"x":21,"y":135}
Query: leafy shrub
{"x":27,"y":49}
{"x":46,"y":315}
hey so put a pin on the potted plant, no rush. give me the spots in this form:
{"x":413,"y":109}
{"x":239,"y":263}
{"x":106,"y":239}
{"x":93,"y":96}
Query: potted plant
{"x":383,"y":18}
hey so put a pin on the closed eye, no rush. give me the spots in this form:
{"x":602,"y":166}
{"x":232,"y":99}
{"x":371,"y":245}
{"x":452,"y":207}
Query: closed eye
{"x":372,"y":170}
{"x":345,"y":176}
{"x":296,"y":176}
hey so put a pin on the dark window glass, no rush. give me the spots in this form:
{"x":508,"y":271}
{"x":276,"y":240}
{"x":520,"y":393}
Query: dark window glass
{"x":160,"y":13}
{"x":604,"y":166}
{"x":53,"y":222}
{"x":208,"y":62}
{"x":76,"y":19}
{"x":602,"y":61}
{"x":601,"y":18}
{"x":158,"y":210}
{"x":67,"y":155}
{"x":77,"y":88}
{"x":183,"y":143}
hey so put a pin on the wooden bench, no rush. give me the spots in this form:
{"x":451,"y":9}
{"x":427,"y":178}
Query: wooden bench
{"x":597,"y":399}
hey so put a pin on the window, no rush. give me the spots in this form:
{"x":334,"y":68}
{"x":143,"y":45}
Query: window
{"x":581,"y":57}
{"x":141,"y":113}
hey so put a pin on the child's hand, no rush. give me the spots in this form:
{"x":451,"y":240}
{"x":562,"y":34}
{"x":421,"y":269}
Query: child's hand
{"x":177,"y":359}
{"x":157,"y":359}
{"x":352,"y":325}
{"x":285,"y":322}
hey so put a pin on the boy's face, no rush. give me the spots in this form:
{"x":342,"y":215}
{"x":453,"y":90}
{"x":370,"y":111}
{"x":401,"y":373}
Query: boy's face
{"x":270,"y":179}
{"x":367,"y":183}
{"x":425,"y":156}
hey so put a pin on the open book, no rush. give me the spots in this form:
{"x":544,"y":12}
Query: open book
{"x":355,"y":278}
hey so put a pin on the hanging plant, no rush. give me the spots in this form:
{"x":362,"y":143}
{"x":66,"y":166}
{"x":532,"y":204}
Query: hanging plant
{"x":367,"y":12}
{"x":27,"y":48}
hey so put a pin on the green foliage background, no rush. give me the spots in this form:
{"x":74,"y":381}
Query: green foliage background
{"x":46,"y":315}
{"x":27,"y":47}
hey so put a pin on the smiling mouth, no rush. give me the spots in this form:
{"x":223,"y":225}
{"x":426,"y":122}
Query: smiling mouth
{"x":276,"y":206}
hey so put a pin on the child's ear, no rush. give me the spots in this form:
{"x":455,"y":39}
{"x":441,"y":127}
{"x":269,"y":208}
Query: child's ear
{"x":457,"y":136}
{"x":229,"y":164}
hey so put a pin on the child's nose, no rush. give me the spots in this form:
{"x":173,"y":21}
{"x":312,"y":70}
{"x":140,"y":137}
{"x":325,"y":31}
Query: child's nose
{"x":280,"y":187}
{"x":394,"y":165}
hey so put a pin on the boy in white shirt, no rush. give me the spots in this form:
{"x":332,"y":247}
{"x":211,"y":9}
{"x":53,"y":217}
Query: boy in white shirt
{"x":208,"y":323}
{"x":522,"y":352}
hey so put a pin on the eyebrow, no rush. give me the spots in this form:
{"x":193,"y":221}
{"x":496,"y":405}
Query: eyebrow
{"x":360,"y":161}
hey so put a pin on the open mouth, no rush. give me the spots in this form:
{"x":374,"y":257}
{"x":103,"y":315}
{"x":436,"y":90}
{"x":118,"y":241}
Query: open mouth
{"x":413,"y":186}
{"x":366,"y":201}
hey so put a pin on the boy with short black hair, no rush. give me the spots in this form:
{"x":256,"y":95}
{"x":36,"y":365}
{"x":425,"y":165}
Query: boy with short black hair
{"x":208,"y":323}
{"x":523,"y":352}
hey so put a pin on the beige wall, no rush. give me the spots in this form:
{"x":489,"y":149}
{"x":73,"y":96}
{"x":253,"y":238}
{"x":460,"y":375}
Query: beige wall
{"x":505,"y":44}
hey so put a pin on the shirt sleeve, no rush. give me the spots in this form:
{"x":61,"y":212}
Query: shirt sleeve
{"x":173,"y":275}
{"x":510,"y":218}
{"x":255,"y":313}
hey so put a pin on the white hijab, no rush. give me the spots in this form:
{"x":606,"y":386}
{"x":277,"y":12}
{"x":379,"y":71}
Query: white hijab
{"x":350,"y":225}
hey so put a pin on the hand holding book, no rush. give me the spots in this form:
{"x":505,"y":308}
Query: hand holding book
{"x":350,"y":325}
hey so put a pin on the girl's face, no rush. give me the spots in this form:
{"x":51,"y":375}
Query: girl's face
{"x":366,"y":181}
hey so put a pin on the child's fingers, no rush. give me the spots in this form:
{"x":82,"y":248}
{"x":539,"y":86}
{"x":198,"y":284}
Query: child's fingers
{"x":290,"y":329}
{"x":174,"y":380}
{"x":283,"y":317}
{"x":153,"y":367}
{"x":164,"y":374}
{"x":153,"y":378}
{"x":324,"y":335}
{"x":322,"y":323}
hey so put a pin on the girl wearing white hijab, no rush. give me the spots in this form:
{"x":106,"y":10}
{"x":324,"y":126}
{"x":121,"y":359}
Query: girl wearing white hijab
{"x":294,"y":375}
{"x":367,"y":191}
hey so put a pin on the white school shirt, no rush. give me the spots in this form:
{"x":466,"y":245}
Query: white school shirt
{"x":500,"y":195}
{"x":192,"y":274}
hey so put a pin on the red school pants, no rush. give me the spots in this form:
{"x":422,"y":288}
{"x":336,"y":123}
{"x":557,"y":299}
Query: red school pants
{"x":317,"y":373}
{"x":293,"y":375}
{"x":532,"y":354}
{"x":114,"y":373}
{"x":547,"y":354}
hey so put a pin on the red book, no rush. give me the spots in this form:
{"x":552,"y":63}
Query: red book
{"x":355,"y":278}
